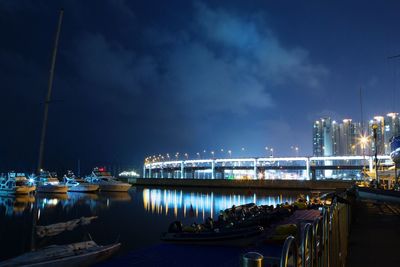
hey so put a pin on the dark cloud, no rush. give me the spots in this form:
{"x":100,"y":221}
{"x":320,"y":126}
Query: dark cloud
{"x":168,"y":76}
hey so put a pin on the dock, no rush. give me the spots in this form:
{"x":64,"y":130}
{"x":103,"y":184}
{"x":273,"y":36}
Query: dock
{"x":316,"y":242}
{"x":375,"y":234}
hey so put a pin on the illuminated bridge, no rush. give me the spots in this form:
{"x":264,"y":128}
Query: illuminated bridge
{"x":302,"y":168}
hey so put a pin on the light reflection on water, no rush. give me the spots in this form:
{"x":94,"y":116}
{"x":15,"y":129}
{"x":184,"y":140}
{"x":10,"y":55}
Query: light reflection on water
{"x":138,"y":216}
{"x":201,"y":204}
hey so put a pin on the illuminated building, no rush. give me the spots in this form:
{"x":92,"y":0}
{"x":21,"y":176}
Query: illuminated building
{"x":349,"y":132}
{"x":343,"y":139}
{"x":391,"y":129}
{"x":322,"y":137}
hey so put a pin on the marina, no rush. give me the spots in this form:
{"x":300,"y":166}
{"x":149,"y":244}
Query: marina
{"x":133,"y":211}
{"x":202,"y":133}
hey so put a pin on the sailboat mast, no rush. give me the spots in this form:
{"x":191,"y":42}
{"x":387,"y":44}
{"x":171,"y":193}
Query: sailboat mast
{"x":48,"y":97}
{"x":362,"y":114}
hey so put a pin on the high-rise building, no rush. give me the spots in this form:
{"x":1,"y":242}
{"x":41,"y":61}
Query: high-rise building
{"x":344,"y":139}
{"x":380,"y":138}
{"x":336,"y":138}
{"x":348,"y":138}
{"x":322,"y":137}
{"x":391,"y":129}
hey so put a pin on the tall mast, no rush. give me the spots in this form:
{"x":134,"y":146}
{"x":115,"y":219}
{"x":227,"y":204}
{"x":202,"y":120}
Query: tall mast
{"x":48,"y":97}
{"x":362,"y":115}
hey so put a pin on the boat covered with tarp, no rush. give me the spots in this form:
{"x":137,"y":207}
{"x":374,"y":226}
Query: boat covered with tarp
{"x":76,"y":254}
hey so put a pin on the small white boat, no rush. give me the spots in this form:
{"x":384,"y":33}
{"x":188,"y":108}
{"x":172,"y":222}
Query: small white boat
{"x":106,"y":181}
{"x":15,"y":184}
{"x":75,"y":254}
{"x":48,"y":183}
{"x":78,"y":185}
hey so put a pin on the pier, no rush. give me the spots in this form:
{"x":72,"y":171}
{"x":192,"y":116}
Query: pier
{"x":375,"y":232}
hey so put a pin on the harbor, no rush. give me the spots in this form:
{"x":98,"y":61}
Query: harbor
{"x":199,"y":133}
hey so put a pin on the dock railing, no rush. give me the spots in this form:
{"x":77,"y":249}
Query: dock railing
{"x":323,"y":243}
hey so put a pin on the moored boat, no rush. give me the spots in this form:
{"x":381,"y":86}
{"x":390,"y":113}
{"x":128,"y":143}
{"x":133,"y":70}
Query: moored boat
{"x":14,"y":184}
{"x":78,"y":185}
{"x":48,"y":183}
{"x":106,"y":181}
{"x":216,"y":236}
{"x":75,"y":254}
{"x":378,"y":194}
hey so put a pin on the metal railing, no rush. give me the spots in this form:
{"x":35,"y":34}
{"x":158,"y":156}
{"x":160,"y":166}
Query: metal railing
{"x":323,"y":242}
{"x":289,"y":256}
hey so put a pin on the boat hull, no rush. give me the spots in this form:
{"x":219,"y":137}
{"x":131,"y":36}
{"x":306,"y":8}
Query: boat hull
{"x":19,"y":190}
{"x":378,"y":194}
{"x":84,"y":259}
{"x":83,"y":188}
{"x":235,"y":237}
{"x":59,"y":189}
{"x":114,"y":187}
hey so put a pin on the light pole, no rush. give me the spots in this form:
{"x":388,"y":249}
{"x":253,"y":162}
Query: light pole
{"x":186,"y":156}
{"x":198,"y":155}
{"x":230,"y":153}
{"x":212,"y":153}
{"x":363,"y":143}
{"x":272,"y":152}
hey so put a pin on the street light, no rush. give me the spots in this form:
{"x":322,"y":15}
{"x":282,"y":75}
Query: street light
{"x":212,"y":153}
{"x":186,"y":155}
{"x":230,"y":153}
{"x":198,"y":155}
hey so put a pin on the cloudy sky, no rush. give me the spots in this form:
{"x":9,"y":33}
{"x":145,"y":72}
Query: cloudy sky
{"x":138,"y":78}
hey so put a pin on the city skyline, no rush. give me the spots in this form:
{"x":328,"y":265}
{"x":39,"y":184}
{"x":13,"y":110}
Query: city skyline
{"x":349,"y":137}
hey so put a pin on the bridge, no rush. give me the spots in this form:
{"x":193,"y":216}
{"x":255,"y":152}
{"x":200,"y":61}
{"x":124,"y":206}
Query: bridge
{"x":301,"y":168}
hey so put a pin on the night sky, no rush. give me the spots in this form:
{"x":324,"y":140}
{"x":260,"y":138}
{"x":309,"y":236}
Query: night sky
{"x":138,"y":78}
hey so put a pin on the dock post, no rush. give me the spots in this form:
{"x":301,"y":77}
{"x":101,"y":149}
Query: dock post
{"x":252,"y":259}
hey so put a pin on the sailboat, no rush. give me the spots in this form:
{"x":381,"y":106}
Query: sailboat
{"x":75,"y":254}
{"x":83,"y":253}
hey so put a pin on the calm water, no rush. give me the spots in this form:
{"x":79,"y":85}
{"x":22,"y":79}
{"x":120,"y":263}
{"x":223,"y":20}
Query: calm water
{"x":136,"y":218}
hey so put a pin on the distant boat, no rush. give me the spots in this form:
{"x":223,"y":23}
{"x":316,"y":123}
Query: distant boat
{"x":106,"y":182}
{"x":78,"y":185}
{"x":48,"y":182}
{"x":395,"y":149}
{"x":15,"y":184}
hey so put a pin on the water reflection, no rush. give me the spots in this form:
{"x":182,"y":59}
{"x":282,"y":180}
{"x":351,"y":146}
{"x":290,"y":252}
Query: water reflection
{"x":203,"y":204}
{"x":16,"y":205}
